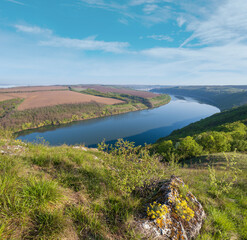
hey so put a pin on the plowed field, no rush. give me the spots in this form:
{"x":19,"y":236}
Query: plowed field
{"x":51,"y":98}
{"x":106,"y":89}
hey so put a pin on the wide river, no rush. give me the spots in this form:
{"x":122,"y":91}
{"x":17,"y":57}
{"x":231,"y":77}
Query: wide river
{"x":141,"y":127}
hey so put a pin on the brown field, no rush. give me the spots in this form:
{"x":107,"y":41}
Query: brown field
{"x":4,"y":97}
{"x":106,"y":89}
{"x":52,"y":98}
{"x":31,"y":89}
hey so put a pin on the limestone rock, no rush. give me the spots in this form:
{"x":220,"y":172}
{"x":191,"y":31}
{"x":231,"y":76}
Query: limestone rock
{"x":173,"y":213}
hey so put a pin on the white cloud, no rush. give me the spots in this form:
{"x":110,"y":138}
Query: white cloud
{"x":16,"y":2}
{"x":227,"y":24}
{"x":86,"y":44}
{"x":104,"y":4}
{"x":160,"y":37}
{"x":180,"y":21}
{"x":149,"y":8}
{"x":32,"y":29}
{"x":123,"y":21}
{"x":140,"y":2}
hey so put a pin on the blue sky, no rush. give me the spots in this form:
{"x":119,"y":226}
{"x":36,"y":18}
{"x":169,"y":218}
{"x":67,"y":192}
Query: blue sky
{"x":164,"y":42}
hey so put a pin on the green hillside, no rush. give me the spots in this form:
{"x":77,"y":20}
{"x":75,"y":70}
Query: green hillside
{"x":212,"y":123}
{"x":222,"y":132}
{"x":224,"y":97}
{"x":78,"y":193}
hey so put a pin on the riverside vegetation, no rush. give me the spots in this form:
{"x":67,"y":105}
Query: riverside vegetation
{"x":15,"y":120}
{"x":71,"y":192}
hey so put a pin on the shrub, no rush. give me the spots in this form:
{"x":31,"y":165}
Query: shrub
{"x":223,"y":183}
{"x":130,"y":166}
{"x":188,"y":147}
{"x":214,"y":141}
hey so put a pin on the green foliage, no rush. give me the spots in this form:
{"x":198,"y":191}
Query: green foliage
{"x":214,"y":141}
{"x":224,"y":182}
{"x":167,"y":150}
{"x":210,"y":135}
{"x":226,"y":121}
{"x":132,"y":167}
{"x":188,"y":147}
{"x":8,"y":106}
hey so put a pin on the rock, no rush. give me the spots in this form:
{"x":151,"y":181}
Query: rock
{"x":80,"y":147}
{"x":174,"y":213}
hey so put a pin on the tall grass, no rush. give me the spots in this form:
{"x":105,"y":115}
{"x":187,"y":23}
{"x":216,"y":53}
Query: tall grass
{"x":61,"y":192}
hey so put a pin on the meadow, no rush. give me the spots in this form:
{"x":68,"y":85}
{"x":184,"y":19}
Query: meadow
{"x":79,"y":193}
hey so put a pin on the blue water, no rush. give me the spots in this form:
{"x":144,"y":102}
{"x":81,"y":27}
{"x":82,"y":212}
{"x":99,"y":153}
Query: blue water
{"x":141,"y":127}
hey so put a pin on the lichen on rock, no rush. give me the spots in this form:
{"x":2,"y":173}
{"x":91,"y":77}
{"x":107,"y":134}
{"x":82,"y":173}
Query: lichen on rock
{"x":173,"y":212}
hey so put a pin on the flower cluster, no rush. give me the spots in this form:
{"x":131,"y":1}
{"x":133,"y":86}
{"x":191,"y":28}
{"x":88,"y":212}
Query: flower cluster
{"x":157,"y":211}
{"x":182,"y":208}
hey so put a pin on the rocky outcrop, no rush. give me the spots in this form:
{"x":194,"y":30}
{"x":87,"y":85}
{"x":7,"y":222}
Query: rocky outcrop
{"x":173,"y":213}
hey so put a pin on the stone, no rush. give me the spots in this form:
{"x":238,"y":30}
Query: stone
{"x":174,"y":213}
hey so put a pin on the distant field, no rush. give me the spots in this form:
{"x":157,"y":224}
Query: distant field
{"x":31,"y":89}
{"x":4,"y":97}
{"x":106,"y":89}
{"x":52,"y":98}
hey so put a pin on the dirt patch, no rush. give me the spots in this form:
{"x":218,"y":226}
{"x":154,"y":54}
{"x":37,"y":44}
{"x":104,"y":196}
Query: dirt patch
{"x":105,"y":89}
{"x":52,"y":98}
{"x":31,"y":89}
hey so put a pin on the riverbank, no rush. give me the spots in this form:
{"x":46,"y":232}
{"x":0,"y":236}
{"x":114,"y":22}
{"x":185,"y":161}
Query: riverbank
{"x":141,"y":127}
{"x":17,"y":121}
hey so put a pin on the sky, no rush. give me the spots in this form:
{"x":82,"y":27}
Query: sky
{"x":164,"y":42}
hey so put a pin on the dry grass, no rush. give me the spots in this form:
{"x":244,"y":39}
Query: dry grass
{"x":52,"y":98}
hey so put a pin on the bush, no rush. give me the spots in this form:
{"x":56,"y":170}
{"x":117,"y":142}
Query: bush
{"x":214,"y":141}
{"x":188,"y":147}
{"x":131,"y":167}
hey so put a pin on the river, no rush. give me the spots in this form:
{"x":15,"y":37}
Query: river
{"x":141,"y":127}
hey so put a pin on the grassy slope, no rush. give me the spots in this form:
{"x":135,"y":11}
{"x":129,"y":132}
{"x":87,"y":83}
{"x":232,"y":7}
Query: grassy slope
{"x":224,"y":97}
{"x":69,"y":193}
{"x":211,"y":123}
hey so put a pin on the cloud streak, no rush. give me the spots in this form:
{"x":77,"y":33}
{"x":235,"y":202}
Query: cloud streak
{"x":227,"y":24}
{"x":160,"y":37}
{"x":88,"y":44}
{"x":16,"y":2}
{"x":32,"y":29}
